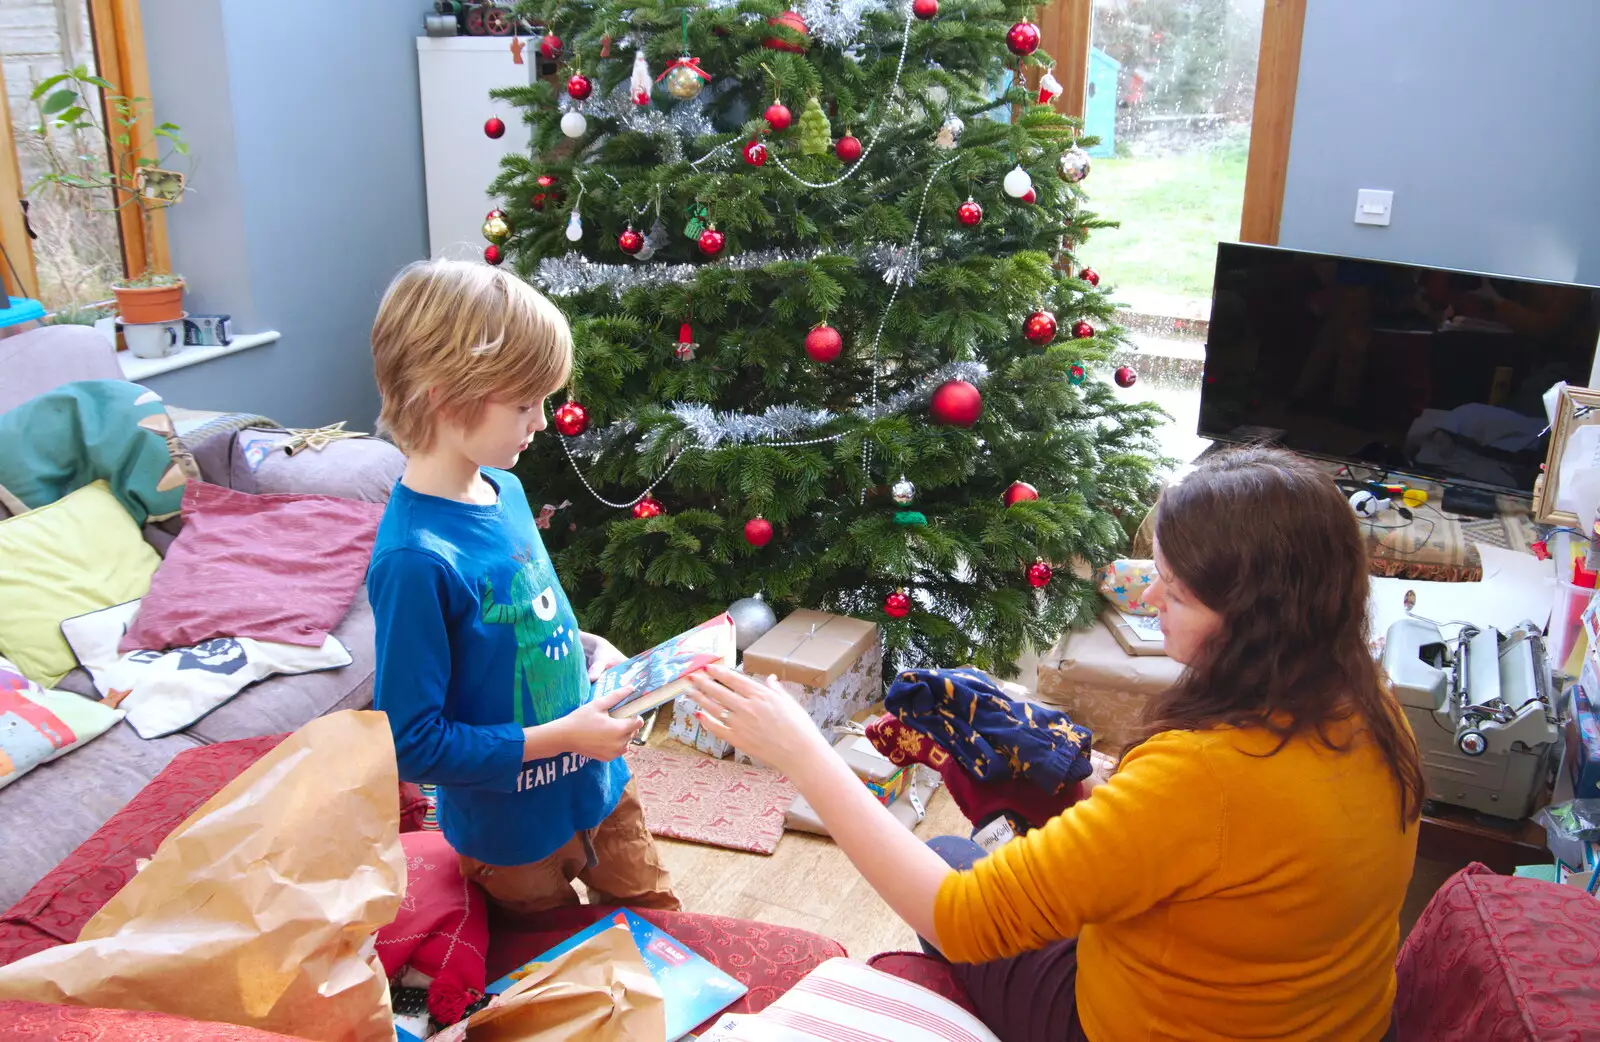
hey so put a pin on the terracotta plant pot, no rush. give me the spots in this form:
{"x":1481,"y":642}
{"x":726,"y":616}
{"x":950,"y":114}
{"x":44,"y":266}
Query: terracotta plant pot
{"x":150,"y":306}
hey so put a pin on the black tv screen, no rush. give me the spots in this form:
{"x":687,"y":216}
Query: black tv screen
{"x":1425,"y":371}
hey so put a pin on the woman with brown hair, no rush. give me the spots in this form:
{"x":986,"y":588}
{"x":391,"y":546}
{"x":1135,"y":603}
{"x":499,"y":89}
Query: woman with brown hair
{"x":1241,"y":875}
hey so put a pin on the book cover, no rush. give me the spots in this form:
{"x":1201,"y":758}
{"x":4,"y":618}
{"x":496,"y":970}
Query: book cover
{"x":658,"y":675}
{"x":694,"y":991}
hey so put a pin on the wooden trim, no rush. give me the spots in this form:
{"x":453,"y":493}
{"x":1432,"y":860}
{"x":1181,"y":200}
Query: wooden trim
{"x":1283,"y":25}
{"x":120,"y":58}
{"x":1065,"y":26}
{"x":13,"y":225}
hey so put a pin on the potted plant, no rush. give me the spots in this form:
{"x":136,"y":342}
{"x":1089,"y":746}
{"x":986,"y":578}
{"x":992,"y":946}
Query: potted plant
{"x":67,"y":102}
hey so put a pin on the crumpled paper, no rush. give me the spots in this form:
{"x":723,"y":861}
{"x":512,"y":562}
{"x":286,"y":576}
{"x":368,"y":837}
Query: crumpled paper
{"x":600,"y":991}
{"x":260,"y":909}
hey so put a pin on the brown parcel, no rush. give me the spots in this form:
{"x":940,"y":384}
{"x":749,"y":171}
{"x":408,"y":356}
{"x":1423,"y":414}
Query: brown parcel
{"x":794,"y":651}
{"x":258,"y":910}
{"x":1102,"y":687}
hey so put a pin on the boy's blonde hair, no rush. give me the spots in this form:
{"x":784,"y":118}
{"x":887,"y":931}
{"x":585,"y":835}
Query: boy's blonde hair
{"x":466,"y":332}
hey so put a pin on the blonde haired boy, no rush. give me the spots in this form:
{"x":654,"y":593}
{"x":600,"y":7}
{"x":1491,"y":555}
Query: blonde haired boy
{"x":480,"y":664}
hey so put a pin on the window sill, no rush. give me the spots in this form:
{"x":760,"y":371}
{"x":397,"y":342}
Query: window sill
{"x":137,"y":369}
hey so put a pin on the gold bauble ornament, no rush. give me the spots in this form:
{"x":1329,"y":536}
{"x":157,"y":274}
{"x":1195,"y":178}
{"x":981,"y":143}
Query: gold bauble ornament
{"x":496,"y":230}
{"x":684,"y":83}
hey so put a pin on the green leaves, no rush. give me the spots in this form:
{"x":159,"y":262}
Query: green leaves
{"x":58,"y":101}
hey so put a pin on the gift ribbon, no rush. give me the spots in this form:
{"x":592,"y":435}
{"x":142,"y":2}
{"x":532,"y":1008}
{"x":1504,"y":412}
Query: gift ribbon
{"x":686,"y":62}
{"x":784,"y":661}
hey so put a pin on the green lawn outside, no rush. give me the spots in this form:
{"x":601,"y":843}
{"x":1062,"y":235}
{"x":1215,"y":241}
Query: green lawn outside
{"x":1174,"y":210}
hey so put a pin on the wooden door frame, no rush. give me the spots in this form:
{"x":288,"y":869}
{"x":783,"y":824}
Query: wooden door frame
{"x":1066,"y":27}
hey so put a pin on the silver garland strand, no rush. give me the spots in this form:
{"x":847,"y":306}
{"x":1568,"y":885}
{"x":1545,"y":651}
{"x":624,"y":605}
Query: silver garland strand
{"x":572,"y":273}
{"x":838,"y":22}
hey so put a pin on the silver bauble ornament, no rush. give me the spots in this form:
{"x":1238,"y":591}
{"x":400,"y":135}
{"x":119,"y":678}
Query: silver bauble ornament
{"x":903,"y":492}
{"x":751,"y":618}
{"x":684,"y":83}
{"x":1073,"y":166}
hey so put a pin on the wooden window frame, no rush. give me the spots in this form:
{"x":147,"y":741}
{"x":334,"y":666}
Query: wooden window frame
{"x":1066,"y":26}
{"x":119,"y":56}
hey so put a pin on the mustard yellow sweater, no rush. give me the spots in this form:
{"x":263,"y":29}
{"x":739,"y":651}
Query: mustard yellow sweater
{"x":1216,"y":893}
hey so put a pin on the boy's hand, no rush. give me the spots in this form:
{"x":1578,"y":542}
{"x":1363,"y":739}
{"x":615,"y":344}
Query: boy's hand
{"x":601,"y":653}
{"x":592,"y":731}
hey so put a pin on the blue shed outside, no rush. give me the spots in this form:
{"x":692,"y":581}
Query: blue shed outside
{"x":1100,"y":103}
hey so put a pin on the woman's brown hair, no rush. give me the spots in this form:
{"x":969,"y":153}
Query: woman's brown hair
{"x":1266,"y":540}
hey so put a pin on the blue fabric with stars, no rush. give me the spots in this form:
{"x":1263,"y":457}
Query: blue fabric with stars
{"x":475,"y":641}
{"x":993,"y":737}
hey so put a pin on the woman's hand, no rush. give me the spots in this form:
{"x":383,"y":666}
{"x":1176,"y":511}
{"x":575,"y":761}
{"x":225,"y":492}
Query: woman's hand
{"x":600,"y":653}
{"x":759,"y":718}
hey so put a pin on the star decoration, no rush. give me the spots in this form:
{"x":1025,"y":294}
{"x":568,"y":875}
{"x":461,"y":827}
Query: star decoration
{"x":317,"y":438}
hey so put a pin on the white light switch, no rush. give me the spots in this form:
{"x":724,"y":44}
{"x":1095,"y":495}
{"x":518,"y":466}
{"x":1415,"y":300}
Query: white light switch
{"x":1373,"y":206}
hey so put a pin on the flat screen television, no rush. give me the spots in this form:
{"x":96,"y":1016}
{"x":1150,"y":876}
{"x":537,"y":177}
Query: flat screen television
{"x":1417,"y":370}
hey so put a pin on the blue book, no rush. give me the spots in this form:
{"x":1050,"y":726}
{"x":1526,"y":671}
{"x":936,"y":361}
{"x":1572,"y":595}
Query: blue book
{"x":693,"y":989}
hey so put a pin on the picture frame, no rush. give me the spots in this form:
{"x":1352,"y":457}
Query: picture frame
{"x":1575,"y":407}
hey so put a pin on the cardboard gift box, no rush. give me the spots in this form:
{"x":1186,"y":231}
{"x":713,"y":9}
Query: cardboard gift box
{"x":686,"y":729}
{"x":1088,"y":676}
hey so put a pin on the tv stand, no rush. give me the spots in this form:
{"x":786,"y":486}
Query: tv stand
{"x":1470,"y":502}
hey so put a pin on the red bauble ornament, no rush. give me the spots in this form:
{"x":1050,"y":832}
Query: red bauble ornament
{"x":579,"y":87}
{"x":1039,"y":574}
{"x":758,"y":531}
{"x":571,"y":419}
{"x":1039,"y":327}
{"x":1019,"y":492}
{"x":494,"y":126}
{"x":755,"y":153}
{"x":778,"y":116}
{"x":897,"y":605}
{"x":925,"y":9}
{"x":492,"y":214}
{"x":1030,"y":196}
{"x":549,"y":46}
{"x":824,"y":344}
{"x":970,"y":212}
{"x":1082,"y":330}
{"x":630,"y":242}
{"x":1023,"y":38}
{"x":848,"y":148}
{"x":956,"y":403}
{"x":789,"y":20}
{"x":1125,"y":376}
{"x":493,"y":254}
{"x":1090,"y":276}
{"x":712,"y":242}
{"x":649,"y":506}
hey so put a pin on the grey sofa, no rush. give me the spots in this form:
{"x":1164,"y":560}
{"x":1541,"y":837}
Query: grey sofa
{"x":48,"y":812}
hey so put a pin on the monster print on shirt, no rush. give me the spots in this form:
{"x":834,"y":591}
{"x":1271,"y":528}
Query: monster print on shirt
{"x":542,"y":678}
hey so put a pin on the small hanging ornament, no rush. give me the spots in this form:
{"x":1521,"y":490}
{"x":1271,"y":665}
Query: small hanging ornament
{"x":1090,"y":276}
{"x":549,"y":46}
{"x":791,"y":21}
{"x":758,"y":531}
{"x":848,"y":148}
{"x":815,"y":134}
{"x":1039,"y":574}
{"x":949,"y":131}
{"x":1020,"y":492}
{"x":639,"y":83}
{"x":711,"y":242}
{"x":1077,"y":373}
{"x":685,"y":347}
{"x":494,"y":127}
{"x":630,"y":241}
{"x":699,"y":221}
{"x":571,"y":419}
{"x":539,"y":199}
{"x":970,"y":212}
{"x":1017,"y":183}
{"x":493,"y":254}
{"x":823,"y":343}
{"x":1082,"y":330}
{"x":495,"y":229}
{"x":1023,"y":38}
{"x":903,"y":491}
{"x":684,"y":77}
{"x":516,"y":50}
{"x":1049,"y":87}
{"x":755,"y":153}
{"x":1125,"y":376}
{"x":573,"y":124}
{"x":925,"y":9}
{"x":897,"y":605}
{"x":579,"y":87}
{"x":752,"y":617}
{"x":648,"y":507}
{"x":956,"y":403}
{"x":1073,"y":166}
{"x":778,"y":116}
{"x":1030,"y":196}
{"x":654,"y":241}
{"x":574,"y":226}
{"x":1039,"y":327}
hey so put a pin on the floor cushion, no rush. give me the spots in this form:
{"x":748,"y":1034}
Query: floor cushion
{"x":38,"y":1022}
{"x":1496,"y":959}
{"x":441,"y":929}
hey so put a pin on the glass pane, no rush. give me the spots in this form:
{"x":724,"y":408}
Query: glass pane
{"x":78,"y":251}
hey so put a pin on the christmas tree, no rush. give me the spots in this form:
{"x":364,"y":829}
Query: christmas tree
{"x":833,"y":344}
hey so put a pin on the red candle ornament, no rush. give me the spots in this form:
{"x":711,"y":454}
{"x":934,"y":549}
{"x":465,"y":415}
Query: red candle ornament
{"x":571,"y":419}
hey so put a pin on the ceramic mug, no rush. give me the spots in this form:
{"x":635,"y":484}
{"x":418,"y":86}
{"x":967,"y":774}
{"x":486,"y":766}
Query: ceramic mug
{"x":155,"y":340}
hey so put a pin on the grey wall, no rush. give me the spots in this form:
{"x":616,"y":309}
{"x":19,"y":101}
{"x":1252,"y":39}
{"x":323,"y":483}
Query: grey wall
{"x":1483,"y":117}
{"x":308,"y":190}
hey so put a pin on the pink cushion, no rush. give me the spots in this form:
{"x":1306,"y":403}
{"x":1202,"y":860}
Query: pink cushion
{"x":442,"y":928}
{"x":274,"y":568}
{"x":1497,"y":959}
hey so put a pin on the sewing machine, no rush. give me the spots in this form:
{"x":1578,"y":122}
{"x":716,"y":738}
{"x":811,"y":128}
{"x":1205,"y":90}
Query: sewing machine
{"x":1482,"y":709}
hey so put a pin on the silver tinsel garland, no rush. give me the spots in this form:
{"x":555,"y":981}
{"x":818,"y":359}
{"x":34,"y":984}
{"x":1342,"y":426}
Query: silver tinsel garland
{"x":573,"y":273}
{"x":838,"y":22}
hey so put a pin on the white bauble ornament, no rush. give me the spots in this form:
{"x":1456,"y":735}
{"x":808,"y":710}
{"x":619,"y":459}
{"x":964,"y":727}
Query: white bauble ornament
{"x":574,"y":227}
{"x":574,"y":125}
{"x":1017,"y":183}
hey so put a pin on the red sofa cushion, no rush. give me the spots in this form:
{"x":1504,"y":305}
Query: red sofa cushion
{"x":933,"y":974}
{"x":1495,"y":959}
{"x":37,"y":1022}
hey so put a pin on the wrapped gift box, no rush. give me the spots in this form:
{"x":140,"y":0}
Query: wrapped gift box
{"x":1093,"y":680}
{"x":1583,"y":732}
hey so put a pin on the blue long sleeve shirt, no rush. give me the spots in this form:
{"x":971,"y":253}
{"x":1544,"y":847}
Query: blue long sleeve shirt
{"x":475,"y":641}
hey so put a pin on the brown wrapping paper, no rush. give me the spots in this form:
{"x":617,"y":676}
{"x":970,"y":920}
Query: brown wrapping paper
{"x":600,"y":991}
{"x":810,"y":647}
{"x":258,"y":910}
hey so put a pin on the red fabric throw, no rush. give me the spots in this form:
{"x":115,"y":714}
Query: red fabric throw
{"x":442,"y":928}
{"x":38,"y":1022}
{"x":280,"y":568}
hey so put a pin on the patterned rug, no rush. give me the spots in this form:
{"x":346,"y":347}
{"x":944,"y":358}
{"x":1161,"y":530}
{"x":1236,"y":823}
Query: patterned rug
{"x":716,"y":802}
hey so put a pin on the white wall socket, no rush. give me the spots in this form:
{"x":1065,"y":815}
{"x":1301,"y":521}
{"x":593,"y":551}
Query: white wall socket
{"x":1373,"y":206}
